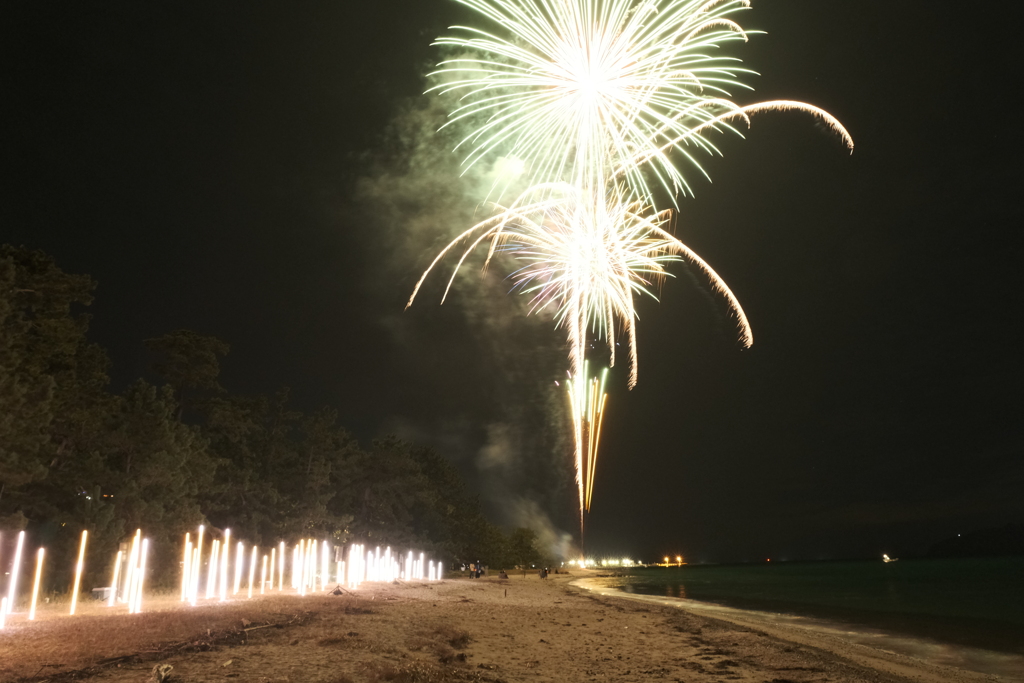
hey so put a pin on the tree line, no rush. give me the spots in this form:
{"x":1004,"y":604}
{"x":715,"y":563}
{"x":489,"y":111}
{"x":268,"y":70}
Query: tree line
{"x":166,"y":457}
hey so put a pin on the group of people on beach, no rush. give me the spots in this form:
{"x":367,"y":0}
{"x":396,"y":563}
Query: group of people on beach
{"x":476,"y":570}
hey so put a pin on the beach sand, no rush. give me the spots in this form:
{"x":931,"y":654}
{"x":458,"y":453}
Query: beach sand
{"x":563,"y":628}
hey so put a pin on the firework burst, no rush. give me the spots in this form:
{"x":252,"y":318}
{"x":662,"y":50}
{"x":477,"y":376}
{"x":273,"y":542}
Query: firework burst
{"x":588,"y":90}
{"x":587,"y":257}
{"x":599,"y":100}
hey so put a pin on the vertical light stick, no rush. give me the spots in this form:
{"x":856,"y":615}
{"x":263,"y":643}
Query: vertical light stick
{"x":315,"y":575}
{"x":226,"y":550}
{"x":12,"y":588}
{"x":350,"y":576}
{"x":263,"y":575}
{"x":252,"y":570}
{"x":311,"y":565}
{"x":35,"y":584}
{"x":198,"y":564}
{"x":184,"y":567}
{"x":324,"y":568}
{"x":211,"y":573}
{"x":186,"y":572}
{"x":304,"y":576}
{"x":129,"y":571}
{"x":280,"y":573}
{"x":273,"y":563}
{"x":113,"y":583}
{"x":239,"y":559}
{"x":78,"y":571}
{"x":141,"y":577}
{"x":193,"y":588}
{"x":133,"y":573}
{"x":295,"y":565}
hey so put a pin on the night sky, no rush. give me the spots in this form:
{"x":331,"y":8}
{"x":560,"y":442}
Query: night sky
{"x":264,"y":172}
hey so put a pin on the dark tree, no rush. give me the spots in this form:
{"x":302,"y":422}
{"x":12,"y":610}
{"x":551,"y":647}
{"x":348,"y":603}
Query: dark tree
{"x":74,"y":456}
{"x":42,"y":341}
{"x":189,"y":363}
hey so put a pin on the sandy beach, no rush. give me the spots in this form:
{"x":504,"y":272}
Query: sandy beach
{"x":563,"y":628}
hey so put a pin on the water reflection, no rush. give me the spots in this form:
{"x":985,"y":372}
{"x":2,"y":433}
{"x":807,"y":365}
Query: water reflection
{"x":675,"y":590}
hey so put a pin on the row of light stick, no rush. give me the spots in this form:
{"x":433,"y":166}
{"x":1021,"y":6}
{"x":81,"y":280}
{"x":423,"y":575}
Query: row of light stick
{"x":372,"y":565}
{"x":363,"y":565}
{"x":310,"y":566}
{"x":7,"y":601}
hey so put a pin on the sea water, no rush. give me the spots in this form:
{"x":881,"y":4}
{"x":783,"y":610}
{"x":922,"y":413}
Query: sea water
{"x":971,"y":602}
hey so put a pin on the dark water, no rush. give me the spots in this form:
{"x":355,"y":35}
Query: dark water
{"x":973,"y":602}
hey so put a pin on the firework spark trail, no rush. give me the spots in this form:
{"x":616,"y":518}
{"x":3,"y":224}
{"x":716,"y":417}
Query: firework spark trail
{"x":587,"y":401}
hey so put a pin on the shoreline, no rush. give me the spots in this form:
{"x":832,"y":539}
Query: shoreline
{"x":877,"y":648}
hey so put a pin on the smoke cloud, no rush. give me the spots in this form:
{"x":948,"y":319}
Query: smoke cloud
{"x":507,"y":426}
